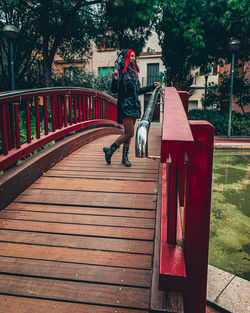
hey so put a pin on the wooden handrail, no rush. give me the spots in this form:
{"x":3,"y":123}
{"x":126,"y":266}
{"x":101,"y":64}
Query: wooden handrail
{"x":186,"y":156}
{"x":53,"y":113}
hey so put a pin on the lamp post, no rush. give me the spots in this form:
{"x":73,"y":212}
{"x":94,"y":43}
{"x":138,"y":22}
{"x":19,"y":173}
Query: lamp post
{"x":11,"y":32}
{"x":233,"y":46}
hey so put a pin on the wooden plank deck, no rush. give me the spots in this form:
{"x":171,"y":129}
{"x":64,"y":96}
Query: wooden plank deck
{"x":80,"y":239}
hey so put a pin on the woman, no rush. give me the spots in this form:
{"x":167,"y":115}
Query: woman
{"x":126,"y":83}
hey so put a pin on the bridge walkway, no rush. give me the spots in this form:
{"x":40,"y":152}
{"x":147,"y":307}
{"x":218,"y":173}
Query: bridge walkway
{"x":80,"y":239}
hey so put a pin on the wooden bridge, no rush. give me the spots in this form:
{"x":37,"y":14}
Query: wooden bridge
{"x":77,"y":235}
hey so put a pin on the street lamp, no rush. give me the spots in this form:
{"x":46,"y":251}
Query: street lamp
{"x":11,"y":32}
{"x":233,"y":46}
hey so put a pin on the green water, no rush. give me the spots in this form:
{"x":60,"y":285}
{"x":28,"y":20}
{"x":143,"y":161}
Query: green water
{"x":229,"y":246}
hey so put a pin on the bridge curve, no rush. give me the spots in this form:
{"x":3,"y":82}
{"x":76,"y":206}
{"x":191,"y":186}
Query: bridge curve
{"x":83,"y":233}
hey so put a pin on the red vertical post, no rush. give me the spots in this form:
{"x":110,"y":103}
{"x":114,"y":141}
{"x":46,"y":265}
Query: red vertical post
{"x":28,"y":121}
{"x":93,"y":107}
{"x":46,"y":124}
{"x":101,"y":110}
{"x":107,"y":110}
{"x":83,"y":107}
{"x":172,"y":192}
{"x":17,"y":126}
{"x":37,"y":119}
{"x":53,"y":113}
{"x":104,"y":109}
{"x":59,"y":111}
{"x":79,"y":108}
{"x":4,"y":131}
{"x":197,"y":216}
{"x":90,"y":108}
{"x":65,"y":111}
{"x":70,"y":110}
{"x":75,"y":109}
{"x":98,"y":107}
{"x":86,"y":108}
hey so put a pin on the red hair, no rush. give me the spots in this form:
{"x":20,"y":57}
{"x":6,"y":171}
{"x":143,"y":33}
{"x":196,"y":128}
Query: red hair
{"x":127,"y":61}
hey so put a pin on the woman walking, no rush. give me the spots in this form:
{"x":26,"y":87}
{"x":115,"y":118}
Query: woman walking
{"x":126,"y":83}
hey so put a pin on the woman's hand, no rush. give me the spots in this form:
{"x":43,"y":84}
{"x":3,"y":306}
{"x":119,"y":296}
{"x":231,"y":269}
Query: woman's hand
{"x":116,"y":74}
{"x":156,"y":84}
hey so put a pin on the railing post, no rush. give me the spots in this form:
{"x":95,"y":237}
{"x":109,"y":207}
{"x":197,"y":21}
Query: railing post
{"x":17,"y":126}
{"x":37,"y":118}
{"x":28,"y":121}
{"x":4,"y":129}
{"x":172,"y":200}
{"x":197,"y":216}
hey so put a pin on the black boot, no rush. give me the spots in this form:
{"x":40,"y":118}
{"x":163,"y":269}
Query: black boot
{"x":125,"y":160}
{"x":109,"y":152}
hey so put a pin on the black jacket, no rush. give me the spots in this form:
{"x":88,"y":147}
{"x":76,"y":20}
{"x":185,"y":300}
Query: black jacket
{"x":128,"y":104}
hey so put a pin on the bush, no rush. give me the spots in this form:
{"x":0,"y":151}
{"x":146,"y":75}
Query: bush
{"x":84,"y":79}
{"x":240,"y":125}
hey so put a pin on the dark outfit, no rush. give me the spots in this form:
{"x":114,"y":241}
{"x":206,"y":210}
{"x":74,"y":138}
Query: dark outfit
{"x":128,"y":88}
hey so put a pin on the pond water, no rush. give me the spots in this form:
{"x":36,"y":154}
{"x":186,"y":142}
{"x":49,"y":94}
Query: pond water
{"x":229,"y":245}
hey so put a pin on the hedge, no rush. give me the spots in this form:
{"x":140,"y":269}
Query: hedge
{"x":240,"y":124}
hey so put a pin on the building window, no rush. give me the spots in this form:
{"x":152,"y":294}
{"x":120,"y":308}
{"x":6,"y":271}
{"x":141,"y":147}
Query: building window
{"x":102,"y":71}
{"x":193,"y":104}
{"x":105,"y":44}
{"x":69,"y":72}
{"x":152,"y":73}
{"x":210,"y":69}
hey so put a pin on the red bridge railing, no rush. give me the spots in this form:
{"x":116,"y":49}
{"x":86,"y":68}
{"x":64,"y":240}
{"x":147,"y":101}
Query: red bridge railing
{"x":186,"y":156}
{"x":48,"y":114}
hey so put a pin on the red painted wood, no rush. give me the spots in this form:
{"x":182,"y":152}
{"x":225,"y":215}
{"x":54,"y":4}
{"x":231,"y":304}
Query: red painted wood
{"x":184,"y":268}
{"x":85,"y":108}
{"x":28,"y":121}
{"x":197,"y":215}
{"x":5,"y":143}
{"x":59,"y":101}
{"x":75,"y":109}
{"x":15,"y":96}
{"x":172,"y":199}
{"x":38,"y":135}
{"x":65,"y":112}
{"x":53,"y":113}
{"x":15,"y":155}
{"x":17,"y":126}
{"x":70,"y":111}
{"x":184,"y":95}
{"x":79,"y":109}
{"x":102,"y":108}
{"x":172,"y":273}
{"x":84,"y":103}
{"x":176,"y":133}
{"x":46,"y":124}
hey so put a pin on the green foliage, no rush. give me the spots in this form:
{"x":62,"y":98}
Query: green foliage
{"x":81,"y":78}
{"x":211,"y":98}
{"x":195,"y":32}
{"x":130,"y":22}
{"x":219,"y":95}
{"x":67,"y":28}
{"x":240,"y":123}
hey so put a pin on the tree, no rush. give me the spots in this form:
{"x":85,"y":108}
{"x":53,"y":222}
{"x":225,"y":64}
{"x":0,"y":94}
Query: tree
{"x":219,"y":95}
{"x":195,"y":32}
{"x":130,"y":22}
{"x":48,"y":27}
